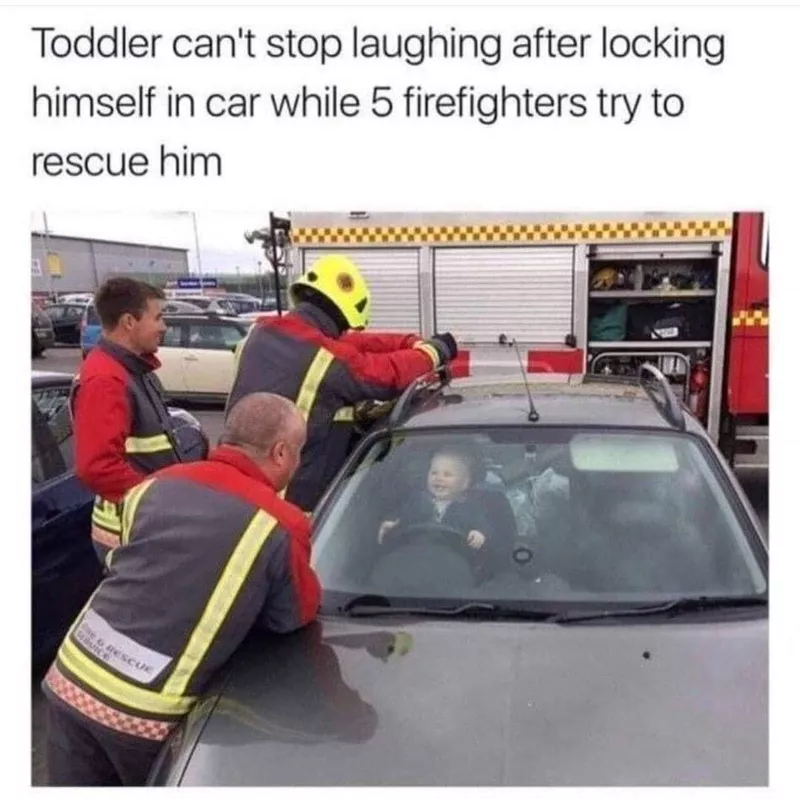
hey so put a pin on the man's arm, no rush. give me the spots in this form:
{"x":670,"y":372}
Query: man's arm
{"x":102,"y":423}
{"x":358,"y":376}
{"x":379,"y":342}
{"x":293,"y":589}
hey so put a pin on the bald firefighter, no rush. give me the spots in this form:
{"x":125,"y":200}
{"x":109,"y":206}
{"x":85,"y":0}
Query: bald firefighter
{"x":318,"y":356}
{"x":209,"y":551}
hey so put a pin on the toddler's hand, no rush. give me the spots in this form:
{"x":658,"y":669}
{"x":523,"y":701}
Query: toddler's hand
{"x":476,"y":539}
{"x":385,"y":528}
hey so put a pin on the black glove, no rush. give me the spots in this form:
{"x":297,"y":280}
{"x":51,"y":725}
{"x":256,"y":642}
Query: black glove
{"x":445,"y":345}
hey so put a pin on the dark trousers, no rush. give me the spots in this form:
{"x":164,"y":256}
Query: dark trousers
{"x":81,"y":753}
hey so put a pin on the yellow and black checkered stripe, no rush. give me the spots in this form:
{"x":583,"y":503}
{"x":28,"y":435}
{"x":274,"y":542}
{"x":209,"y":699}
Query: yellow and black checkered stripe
{"x":544,"y":231}
{"x":751,"y":319}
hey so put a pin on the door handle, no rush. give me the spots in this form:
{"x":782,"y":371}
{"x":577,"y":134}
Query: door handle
{"x":190,"y":358}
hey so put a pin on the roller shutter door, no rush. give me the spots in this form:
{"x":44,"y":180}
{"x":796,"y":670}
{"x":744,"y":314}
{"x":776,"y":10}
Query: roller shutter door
{"x":524,"y":292}
{"x":393,"y":277}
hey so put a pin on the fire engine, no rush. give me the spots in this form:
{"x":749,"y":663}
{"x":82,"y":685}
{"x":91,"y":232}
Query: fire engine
{"x":597,"y":294}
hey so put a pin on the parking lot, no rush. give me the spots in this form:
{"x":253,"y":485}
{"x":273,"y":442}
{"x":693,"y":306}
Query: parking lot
{"x":68,"y":360}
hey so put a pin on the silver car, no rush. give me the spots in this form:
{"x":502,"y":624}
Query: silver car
{"x":611,"y":630}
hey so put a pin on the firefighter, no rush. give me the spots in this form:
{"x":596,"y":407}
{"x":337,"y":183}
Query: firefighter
{"x":318,"y":356}
{"x":209,"y":552}
{"x":123,"y":430}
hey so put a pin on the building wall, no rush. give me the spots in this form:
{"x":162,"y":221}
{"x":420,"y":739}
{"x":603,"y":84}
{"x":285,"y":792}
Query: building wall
{"x":86,"y":263}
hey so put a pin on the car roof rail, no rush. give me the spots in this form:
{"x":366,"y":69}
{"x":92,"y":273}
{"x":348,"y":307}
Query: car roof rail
{"x":661,"y":395}
{"x":431,"y":385}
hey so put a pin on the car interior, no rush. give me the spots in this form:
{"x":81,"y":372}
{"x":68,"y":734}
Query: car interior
{"x":657,"y":529}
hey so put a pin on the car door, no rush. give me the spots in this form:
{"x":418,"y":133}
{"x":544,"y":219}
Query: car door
{"x":57,"y":316}
{"x":210,"y":360}
{"x":65,"y":569}
{"x":71,"y":324}
{"x":172,"y":354}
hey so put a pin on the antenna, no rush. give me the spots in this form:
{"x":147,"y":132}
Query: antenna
{"x":504,"y":341}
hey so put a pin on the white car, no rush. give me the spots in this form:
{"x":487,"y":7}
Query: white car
{"x":210,"y":303}
{"x":197,"y":356}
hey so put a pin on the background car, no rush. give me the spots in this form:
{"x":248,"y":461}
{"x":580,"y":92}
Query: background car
{"x":211,"y":304}
{"x":91,"y":329}
{"x":180,"y":307}
{"x":621,"y":640}
{"x":42,"y":334}
{"x":65,"y":568}
{"x":66,"y":319}
{"x":197,"y":356}
{"x":81,"y":298}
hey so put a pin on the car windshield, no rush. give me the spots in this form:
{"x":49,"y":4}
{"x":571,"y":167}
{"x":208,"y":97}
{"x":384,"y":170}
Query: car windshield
{"x":575,"y":517}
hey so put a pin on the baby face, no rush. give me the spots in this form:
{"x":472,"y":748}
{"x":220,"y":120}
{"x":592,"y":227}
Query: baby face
{"x":448,"y":477}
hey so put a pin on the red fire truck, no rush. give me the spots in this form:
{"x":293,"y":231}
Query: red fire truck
{"x":578,"y":293}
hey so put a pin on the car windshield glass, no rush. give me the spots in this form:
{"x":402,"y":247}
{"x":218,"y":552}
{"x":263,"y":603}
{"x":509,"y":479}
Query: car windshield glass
{"x":532,"y":515}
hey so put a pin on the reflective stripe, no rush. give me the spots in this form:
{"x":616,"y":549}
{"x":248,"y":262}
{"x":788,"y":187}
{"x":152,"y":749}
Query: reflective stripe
{"x":105,"y":538}
{"x":130,"y":506}
{"x":345,"y":414}
{"x":227,"y":589}
{"x":314,"y":377}
{"x":147,"y":445}
{"x":120,"y":691}
{"x":98,"y":711}
{"x":430,"y":351}
{"x":106,"y":514}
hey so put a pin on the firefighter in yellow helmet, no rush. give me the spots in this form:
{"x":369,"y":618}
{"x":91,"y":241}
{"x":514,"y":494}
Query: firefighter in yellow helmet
{"x":319,"y":356}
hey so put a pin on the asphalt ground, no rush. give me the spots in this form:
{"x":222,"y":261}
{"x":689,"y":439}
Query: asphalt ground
{"x":64,"y":359}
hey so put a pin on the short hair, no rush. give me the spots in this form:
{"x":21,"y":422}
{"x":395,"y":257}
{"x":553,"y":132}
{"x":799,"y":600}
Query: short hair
{"x":121,"y":295}
{"x":258,"y":420}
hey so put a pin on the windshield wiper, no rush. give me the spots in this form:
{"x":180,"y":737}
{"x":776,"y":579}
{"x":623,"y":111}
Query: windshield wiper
{"x":674,"y":606}
{"x":378,"y":606}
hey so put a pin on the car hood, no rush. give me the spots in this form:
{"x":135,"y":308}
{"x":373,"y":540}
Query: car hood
{"x":429,"y":702}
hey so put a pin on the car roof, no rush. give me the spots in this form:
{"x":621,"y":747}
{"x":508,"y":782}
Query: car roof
{"x":572,"y":403}
{"x":209,"y":317}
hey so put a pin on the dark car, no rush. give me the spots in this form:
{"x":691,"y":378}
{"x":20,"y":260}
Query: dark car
{"x":65,"y":569}
{"x":42,"y":335}
{"x":66,"y":319}
{"x":619,"y":638}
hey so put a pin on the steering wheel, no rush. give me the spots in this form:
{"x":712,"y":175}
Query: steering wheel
{"x":450,"y":536}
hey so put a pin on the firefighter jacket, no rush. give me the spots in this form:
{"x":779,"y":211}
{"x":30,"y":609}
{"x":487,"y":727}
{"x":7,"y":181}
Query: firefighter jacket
{"x":123,"y":432}
{"x":302,"y":357}
{"x":210,"y":552}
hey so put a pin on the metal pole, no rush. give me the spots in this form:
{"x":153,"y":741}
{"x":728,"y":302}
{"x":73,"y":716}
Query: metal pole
{"x":275,"y":263}
{"x":197,"y":251}
{"x":47,"y":254}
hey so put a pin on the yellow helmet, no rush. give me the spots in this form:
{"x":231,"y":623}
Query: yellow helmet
{"x":337,"y":278}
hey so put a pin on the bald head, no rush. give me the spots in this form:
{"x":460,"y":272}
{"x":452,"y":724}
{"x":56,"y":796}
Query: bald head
{"x":271,"y":430}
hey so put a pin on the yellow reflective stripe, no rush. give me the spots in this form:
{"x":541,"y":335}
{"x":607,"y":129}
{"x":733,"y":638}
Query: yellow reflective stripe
{"x":129,"y":508}
{"x":147,"y":445}
{"x":106,"y":684}
{"x":314,"y":377}
{"x":227,"y":589}
{"x":106,"y":514}
{"x":430,"y":351}
{"x":345,"y":414}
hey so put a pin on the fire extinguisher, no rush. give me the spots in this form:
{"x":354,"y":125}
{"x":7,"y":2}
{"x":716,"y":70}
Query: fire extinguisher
{"x":698,"y":388}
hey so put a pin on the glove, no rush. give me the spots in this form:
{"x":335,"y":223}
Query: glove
{"x":445,"y":345}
